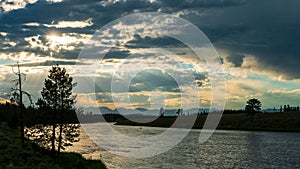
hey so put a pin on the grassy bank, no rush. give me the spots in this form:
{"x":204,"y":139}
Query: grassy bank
{"x":288,"y":121}
{"x":13,"y":156}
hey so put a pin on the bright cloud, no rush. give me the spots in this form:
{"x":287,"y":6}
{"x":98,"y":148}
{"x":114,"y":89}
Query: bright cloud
{"x":71,"y":24}
{"x":3,"y":33}
{"x":7,"y":44}
{"x":54,"y":42}
{"x":32,"y":24}
{"x":9,"y":5}
{"x":36,"y":42}
{"x":54,"y":1}
{"x":284,"y":91}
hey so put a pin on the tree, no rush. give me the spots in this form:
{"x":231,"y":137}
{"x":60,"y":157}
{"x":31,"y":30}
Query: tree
{"x":253,"y":107}
{"x":58,"y":99}
{"x":179,"y":112}
{"x":17,"y":97}
{"x":288,"y":108}
{"x":284,"y":108}
{"x":161,"y":112}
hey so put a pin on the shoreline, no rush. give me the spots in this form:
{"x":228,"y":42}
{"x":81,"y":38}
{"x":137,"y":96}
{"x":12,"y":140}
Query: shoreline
{"x":273,"y":122}
{"x":218,"y":129}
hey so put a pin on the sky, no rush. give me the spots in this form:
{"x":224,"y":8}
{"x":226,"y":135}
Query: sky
{"x":257,"y":42}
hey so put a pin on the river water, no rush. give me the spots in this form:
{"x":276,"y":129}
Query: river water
{"x":224,"y":149}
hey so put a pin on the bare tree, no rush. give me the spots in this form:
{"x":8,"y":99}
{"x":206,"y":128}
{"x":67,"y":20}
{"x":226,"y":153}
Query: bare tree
{"x":17,"y":96}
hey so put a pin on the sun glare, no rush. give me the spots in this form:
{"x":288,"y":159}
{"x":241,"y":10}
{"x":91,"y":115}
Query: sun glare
{"x":62,"y":40}
{"x":57,"y":42}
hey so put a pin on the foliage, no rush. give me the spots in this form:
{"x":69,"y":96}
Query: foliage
{"x":57,"y":100}
{"x":57,"y":92}
{"x":253,"y":107}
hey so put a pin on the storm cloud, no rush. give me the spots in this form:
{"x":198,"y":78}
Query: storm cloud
{"x":261,"y":36}
{"x":268,"y":31}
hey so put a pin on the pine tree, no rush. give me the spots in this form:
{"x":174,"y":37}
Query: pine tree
{"x":57,"y":97}
{"x":253,"y":106}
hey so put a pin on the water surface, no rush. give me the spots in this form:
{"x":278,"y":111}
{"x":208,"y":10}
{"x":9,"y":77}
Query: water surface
{"x":225,"y":149}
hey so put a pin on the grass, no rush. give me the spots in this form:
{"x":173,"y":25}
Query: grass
{"x":14,"y":156}
{"x":288,"y":121}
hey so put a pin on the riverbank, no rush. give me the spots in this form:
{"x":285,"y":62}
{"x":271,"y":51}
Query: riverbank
{"x":288,"y":121}
{"x":13,"y":156}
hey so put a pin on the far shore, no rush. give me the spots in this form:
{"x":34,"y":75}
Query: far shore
{"x":277,"y":122}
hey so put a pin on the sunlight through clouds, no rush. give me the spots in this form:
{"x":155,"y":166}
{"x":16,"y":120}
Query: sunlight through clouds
{"x":64,"y":39}
{"x":259,"y":61}
{"x":55,"y":42}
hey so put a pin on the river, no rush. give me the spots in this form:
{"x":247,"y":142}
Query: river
{"x":224,"y":149}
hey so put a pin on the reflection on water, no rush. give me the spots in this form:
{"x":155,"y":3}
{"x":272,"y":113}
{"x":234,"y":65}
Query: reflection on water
{"x":225,"y":149}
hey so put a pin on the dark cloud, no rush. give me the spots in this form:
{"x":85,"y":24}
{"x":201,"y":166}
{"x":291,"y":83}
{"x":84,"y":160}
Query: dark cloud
{"x":51,"y":63}
{"x":200,"y":78}
{"x":159,"y":42}
{"x":101,"y":12}
{"x":116,"y":53}
{"x":268,"y":30}
{"x":150,"y":80}
{"x":198,"y":5}
{"x":236,"y":60}
{"x":68,"y":54}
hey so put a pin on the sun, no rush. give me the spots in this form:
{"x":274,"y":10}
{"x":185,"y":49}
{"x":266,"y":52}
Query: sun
{"x":57,"y":42}
{"x":62,"y":40}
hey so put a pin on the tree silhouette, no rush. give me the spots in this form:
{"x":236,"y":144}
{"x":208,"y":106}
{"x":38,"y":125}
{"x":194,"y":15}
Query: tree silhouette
{"x":17,"y":97}
{"x":161,"y":112}
{"x":288,"y":108}
{"x":179,"y":112}
{"x":57,"y":98}
{"x":253,"y":106}
{"x":284,"y":108}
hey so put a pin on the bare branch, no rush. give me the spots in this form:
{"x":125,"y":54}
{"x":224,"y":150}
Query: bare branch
{"x":14,"y":71}
{"x":28,"y":95}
